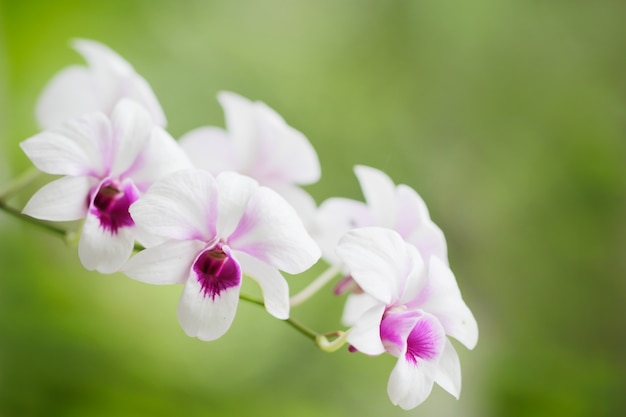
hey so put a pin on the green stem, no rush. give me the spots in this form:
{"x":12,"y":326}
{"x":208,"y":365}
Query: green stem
{"x":20,"y":182}
{"x":44,"y":225}
{"x":317,"y":284}
{"x":293,"y":323}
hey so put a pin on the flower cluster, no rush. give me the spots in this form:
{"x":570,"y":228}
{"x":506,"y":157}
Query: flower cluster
{"x":220,"y":204}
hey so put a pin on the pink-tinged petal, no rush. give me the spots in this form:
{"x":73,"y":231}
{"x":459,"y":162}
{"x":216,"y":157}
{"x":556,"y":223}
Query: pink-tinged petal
{"x":160,"y":156}
{"x":132,"y":128}
{"x":271,"y":231}
{"x":395,"y":328}
{"x":210,"y":148}
{"x":334,"y":218}
{"x":378,"y":261}
{"x":64,"y":199}
{"x":180,"y":206}
{"x":416,"y":227}
{"x":286,"y":155}
{"x":101,"y":250}
{"x":79,"y":147}
{"x":116,"y":79}
{"x":241,"y":126}
{"x":409,"y":385}
{"x":356,"y":305}
{"x":442,"y":298}
{"x":70,"y":93}
{"x":416,"y":278}
{"x":205,"y":317}
{"x":273,"y":284}
{"x":412,"y":378}
{"x":448,"y":372}
{"x":234,"y":192}
{"x":380,"y":194}
{"x":301,"y":201}
{"x":167,"y":263}
{"x":364,"y":335}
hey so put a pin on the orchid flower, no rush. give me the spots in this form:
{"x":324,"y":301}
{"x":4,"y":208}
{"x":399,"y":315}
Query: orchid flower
{"x":217,"y":229}
{"x":77,"y":90}
{"x":386,"y":205}
{"x":405,"y":308}
{"x":258,"y":143}
{"x":106,"y":163}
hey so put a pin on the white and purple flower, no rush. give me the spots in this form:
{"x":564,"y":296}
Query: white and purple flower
{"x":258,"y":143}
{"x":396,"y":207}
{"x":217,"y":229}
{"x":405,"y":308}
{"x":77,"y":90}
{"x":106,"y":163}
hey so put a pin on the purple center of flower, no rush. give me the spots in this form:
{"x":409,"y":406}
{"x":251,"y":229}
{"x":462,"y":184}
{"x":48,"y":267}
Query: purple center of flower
{"x":423,"y":342}
{"x":216,"y":271}
{"x":111,"y":203}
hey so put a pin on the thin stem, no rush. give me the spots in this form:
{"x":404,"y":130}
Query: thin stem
{"x":311,"y":334}
{"x":20,"y":182}
{"x":315,"y":285}
{"x":44,"y":225}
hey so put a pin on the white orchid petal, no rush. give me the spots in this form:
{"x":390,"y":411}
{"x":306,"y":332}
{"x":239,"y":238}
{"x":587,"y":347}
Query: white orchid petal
{"x":273,"y":284}
{"x":364,"y":335}
{"x":79,"y":147}
{"x":448,"y":373}
{"x":234,"y":191}
{"x":181,"y":206}
{"x":285,"y":155}
{"x":380,"y":195}
{"x":160,"y":156}
{"x":132,"y":129}
{"x":271,"y":231}
{"x":168,"y":263}
{"x":416,"y":227}
{"x":378,"y":261}
{"x":334,"y":218}
{"x":68,"y":94}
{"x":64,"y":199}
{"x":409,"y":385}
{"x":101,"y":250}
{"x":442,"y":298}
{"x":241,"y":126}
{"x":356,"y":305}
{"x":205,"y":317}
{"x":210,"y":148}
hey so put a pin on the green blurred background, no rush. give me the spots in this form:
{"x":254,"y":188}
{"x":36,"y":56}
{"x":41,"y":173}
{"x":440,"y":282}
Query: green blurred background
{"x":507,"y":116}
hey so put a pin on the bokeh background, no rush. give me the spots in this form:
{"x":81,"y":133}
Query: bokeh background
{"x":507,"y":116}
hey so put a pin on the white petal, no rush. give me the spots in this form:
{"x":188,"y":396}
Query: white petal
{"x":234,"y":193}
{"x":168,"y":263}
{"x":365,"y":334}
{"x":64,"y":199}
{"x":180,"y":206}
{"x":271,"y":231}
{"x":285,"y":155}
{"x":101,"y":250}
{"x":301,"y":201}
{"x":448,"y":372}
{"x":379,"y":192}
{"x":79,"y":147}
{"x":442,"y":298}
{"x":67,"y":95}
{"x":273,"y":284}
{"x":210,"y":148}
{"x":409,"y":385}
{"x":160,"y":156}
{"x":142,"y":93}
{"x":132,"y":129}
{"x":204,"y":317}
{"x":378,"y":261}
{"x":334,"y":218}
{"x":356,"y":305}
{"x":241,"y":126}
{"x":416,"y":227}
